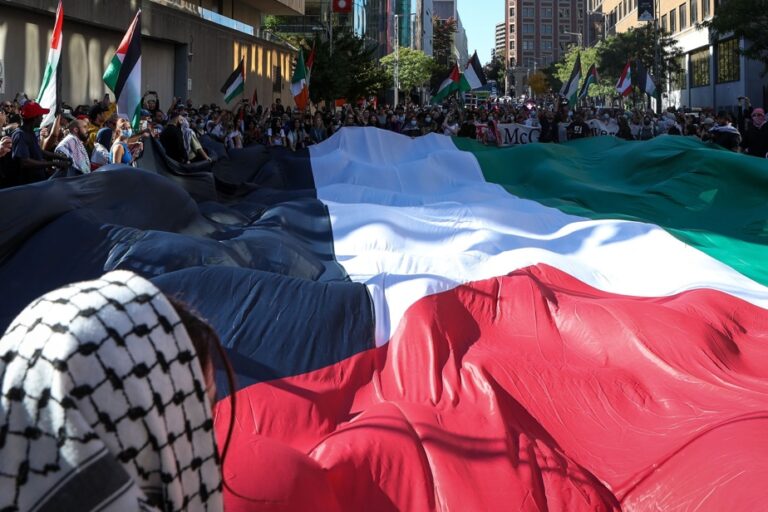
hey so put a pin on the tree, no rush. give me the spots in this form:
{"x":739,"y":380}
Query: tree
{"x":442,"y":50}
{"x":538,"y":83}
{"x":351,"y":72}
{"x":747,"y":19}
{"x":414,"y":69}
{"x":442,"y":40}
{"x":495,"y":69}
{"x":640,"y":43}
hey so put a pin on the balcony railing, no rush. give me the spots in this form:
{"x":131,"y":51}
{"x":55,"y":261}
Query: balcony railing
{"x":208,"y":15}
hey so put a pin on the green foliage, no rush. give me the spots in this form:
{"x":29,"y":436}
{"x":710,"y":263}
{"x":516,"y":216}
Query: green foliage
{"x":415,"y":68}
{"x":495,"y":70}
{"x":640,"y":43}
{"x":747,"y":19}
{"x":351,"y":72}
{"x":611,"y":55}
{"x":442,"y":41}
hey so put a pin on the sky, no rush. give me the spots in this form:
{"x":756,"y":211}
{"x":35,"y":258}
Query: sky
{"x":479,"y":18}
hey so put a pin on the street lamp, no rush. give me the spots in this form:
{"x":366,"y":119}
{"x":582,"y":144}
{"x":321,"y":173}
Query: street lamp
{"x":578,"y":35}
{"x":396,"y":72}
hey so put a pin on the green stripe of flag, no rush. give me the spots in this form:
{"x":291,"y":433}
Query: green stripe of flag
{"x":711,"y":199}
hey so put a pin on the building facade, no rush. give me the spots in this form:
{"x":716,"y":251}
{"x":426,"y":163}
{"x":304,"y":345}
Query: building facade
{"x":501,"y":40}
{"x":539,"y":33}
{"x":714,"y":73}
{"x":188,"y":49}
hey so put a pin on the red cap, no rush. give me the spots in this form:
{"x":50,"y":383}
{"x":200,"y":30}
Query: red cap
{"x":32,"y":109}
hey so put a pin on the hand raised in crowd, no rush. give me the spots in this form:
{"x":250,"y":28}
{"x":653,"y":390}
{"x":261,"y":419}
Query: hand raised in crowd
{"x":5,"y":146}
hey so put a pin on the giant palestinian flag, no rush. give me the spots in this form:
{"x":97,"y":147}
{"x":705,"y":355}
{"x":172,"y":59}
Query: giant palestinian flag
{"x":431,"y":324}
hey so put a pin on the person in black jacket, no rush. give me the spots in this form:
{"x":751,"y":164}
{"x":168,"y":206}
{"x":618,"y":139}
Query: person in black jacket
{"x":724,"y":133}
{"x":755,"y":140}
{"x":173,"y":140}
{"x":549,"y":132}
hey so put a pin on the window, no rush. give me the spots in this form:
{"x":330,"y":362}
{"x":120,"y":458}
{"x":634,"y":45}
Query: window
{"x":527,"y":28}
{"x":728,"y":63}
{"x":546,"y":44}
{"x":546,"y":12}
{"x":681,"y":10}
{"x":529,"y":12}
{"x":705,"y":12}
{"x":664,"y":26}
{"x":527,"y":44}
{"x":672,"y":21}
{"x":277,"y":79}
{"x":677,"y":78}
{"x":546,"y":29}
{"x":700,"y":67}
{"x":694,"y":8}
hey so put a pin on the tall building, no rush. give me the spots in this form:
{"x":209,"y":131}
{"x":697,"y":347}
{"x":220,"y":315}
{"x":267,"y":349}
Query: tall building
{"x":369,"y":19}
{"x":501,"y":40}
{"x":188,"y":48}
{"x":714,"y":73}
{"x":539,"y":32}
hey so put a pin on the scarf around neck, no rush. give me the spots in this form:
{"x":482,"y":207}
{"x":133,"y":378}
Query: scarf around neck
{"x":103,"y":404}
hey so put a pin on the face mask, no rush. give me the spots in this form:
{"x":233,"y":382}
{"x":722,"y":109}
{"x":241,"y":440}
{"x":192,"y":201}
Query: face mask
{"x":128,"y":133}
{"x":413,"y":123}
{"x":429,"y":119}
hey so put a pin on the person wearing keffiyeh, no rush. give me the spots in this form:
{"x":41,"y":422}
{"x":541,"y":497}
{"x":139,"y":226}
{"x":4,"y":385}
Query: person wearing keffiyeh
{"x":103,"y":404}
{"x":72,"y":146}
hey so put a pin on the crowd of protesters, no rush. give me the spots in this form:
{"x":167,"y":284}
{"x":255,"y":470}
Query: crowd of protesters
{"x":84,"y":138}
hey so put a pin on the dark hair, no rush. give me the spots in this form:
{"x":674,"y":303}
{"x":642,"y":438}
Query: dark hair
{"x":208,"y":347}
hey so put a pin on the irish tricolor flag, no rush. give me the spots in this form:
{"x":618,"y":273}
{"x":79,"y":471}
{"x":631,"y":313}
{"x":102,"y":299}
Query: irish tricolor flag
{"x":299,"y":86}
{"x":48,"y":95}
{"x":123,"y":76}
{"x":434,"y":324}
{"x":235,"y":84}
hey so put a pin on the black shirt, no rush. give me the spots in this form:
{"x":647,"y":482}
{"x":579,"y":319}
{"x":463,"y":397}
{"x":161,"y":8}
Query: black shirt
{"x":173,"y":141}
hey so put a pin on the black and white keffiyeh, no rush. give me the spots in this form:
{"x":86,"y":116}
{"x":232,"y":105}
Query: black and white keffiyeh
{"x":103,"y":404}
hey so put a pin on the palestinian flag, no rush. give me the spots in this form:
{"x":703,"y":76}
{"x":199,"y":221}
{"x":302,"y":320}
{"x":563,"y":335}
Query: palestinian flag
{"x":49,"y":90}
{"x":299,"y":87}
{"x":591,"y":79}
{"x":570,"y":89}
{"x":624,"y":85}
{"x":123,"y":75}
{"x":235,"y":84}
{"x":449,"y":86}
{"x":473,"y":76}
{"x":643,"y":79}
{"x":424,"y":324}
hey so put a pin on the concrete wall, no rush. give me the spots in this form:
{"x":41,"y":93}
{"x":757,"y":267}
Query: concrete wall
{"x":176,"y":46}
